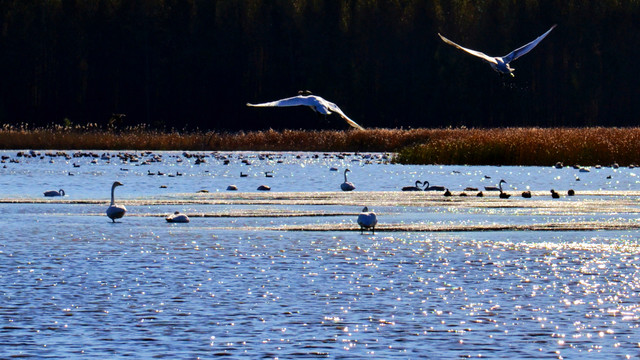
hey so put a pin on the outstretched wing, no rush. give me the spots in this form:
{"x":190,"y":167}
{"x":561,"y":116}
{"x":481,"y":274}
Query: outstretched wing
{"x":479,"y":54}
{"x":333,"y":107}
{"x":292,"y":101}
{"x":526,"y":48}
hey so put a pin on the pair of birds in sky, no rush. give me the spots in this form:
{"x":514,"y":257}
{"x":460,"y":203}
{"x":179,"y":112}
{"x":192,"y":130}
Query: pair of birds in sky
{"x":500,"y":64}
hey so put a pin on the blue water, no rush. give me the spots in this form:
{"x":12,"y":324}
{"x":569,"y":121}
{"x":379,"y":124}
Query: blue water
{"x":238,"y":281}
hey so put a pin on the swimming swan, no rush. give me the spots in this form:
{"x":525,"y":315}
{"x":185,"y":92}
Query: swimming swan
{"x":176,"y":217}
{"x":346,"y":185}
{"x":54,"y":193}
{"x":367,"y":220}
{"x":503,"y":195}
{"x":428,"y":187}
{"x":316,"y":103}
{"x":501,"y":64}
{"x":115,"y":211}
{"x":413,"y":188}
{"x":495,"y":188}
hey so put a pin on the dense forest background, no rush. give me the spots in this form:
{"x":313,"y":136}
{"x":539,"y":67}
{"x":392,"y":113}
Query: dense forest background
{"x":195,"y":63}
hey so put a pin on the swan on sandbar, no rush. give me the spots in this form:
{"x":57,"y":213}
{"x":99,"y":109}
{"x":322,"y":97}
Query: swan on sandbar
{"x":115,"y":211}
{"x":501,"y":64}
{"x":367,"y":220}
{"x":413,"y":188}
{"x":526,"y":194}
{"x":176,"y":217}
{"x":346,"y":185}
{"x":54,"y":193}
{"x":316,"y":103}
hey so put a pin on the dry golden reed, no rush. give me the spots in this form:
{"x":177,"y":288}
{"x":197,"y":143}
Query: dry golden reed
{"x":501,"y":146}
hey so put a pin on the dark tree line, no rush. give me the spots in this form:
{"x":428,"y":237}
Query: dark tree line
{"x":195,"y":63}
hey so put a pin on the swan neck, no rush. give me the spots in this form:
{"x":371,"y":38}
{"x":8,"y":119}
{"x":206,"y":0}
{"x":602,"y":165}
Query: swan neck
{"x":112,"y":197}
{"x":345,"y":176}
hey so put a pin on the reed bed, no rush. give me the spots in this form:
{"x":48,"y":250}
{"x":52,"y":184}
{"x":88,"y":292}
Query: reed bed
{"x":501,"y":146}
{"x":527,"y":146}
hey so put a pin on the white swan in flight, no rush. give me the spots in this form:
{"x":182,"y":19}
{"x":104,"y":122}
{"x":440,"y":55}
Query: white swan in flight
{"x":316,"y":103}
{"x":346,"y":185}
{"x":367,"y":220}
{"x":501,"y":64}
{"x":176,"y":217}
{"x":115,"y":211}
{"x":54,"y":193}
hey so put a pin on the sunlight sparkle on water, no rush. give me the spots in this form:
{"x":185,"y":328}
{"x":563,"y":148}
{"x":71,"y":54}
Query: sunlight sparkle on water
{"x":287,"y":274}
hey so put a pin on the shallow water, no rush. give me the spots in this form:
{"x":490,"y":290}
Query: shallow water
{"x":286,"y":274}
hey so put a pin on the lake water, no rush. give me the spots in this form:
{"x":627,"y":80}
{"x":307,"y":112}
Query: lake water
{"x":287,"y":274}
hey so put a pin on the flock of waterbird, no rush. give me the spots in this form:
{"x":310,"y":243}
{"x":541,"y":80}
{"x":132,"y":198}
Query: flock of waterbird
{"x":367,"y":219}
{"x":479,"y":193}
{"x":500,"y":64}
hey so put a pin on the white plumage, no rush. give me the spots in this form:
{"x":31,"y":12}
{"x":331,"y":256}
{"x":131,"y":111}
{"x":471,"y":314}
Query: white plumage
{"x":501,"y":64}
{"x":367,"y":220}
{"x":115,"y":211}
{"x":346,"y":185}
{"x":176,"y":217}
{"x":316,"y":103}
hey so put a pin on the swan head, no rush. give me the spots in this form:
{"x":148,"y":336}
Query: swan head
{"x":117,"y":183}
{"x":365,"y":209}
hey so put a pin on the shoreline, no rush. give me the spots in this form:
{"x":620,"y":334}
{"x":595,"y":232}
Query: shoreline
{"x":452,"y":146}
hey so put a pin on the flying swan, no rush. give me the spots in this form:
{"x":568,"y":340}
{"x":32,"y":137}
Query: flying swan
{"x":316,"y":103}
{"x":501,"y":64}
{"x":115,"y":211}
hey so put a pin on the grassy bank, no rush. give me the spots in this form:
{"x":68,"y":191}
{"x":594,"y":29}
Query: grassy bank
{"x":503,"y":146}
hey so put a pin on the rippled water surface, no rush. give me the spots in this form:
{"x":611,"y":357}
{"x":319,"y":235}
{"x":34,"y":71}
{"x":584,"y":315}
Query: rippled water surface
{"x":287,"y":274}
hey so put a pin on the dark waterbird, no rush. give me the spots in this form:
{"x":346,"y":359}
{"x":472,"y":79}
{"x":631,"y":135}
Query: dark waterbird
{"x":413,"y":188}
